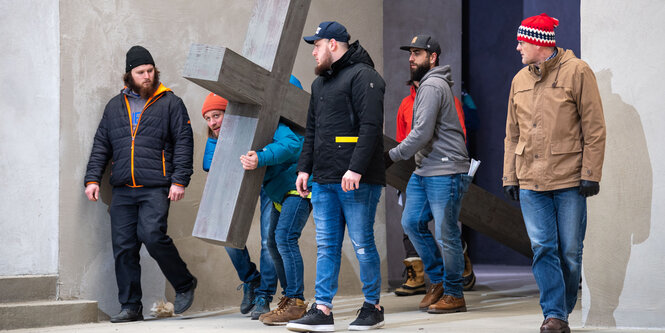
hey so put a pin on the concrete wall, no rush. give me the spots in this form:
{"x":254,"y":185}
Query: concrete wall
{"x":29,"y":152}
{"x":95,"y":36}
{"x":623,"y":267}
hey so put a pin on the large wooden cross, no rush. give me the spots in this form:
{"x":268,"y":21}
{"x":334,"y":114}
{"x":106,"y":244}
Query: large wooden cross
{"x":256,"y":85}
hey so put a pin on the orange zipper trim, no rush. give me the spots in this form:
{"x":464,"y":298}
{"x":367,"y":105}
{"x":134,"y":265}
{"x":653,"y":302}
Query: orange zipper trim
{"x":133,"y":130}
{"x":163,"y":164}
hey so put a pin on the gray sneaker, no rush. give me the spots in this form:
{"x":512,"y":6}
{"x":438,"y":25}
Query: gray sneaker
{"x":184,"y":300}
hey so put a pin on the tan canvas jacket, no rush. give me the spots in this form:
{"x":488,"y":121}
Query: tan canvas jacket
{"x":555,"y":128}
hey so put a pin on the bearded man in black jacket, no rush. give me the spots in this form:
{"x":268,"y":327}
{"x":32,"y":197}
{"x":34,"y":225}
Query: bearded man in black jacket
{"x":343,"y":151}
{"x":146,"y":133}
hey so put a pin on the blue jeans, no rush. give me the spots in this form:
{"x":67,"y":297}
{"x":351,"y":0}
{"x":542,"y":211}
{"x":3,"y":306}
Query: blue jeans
{"x":334,"y":210}
{"x":284,"y":232}
{"x":439,"y":197}
{"x":246,"y":269}
{"x":556,"y":224}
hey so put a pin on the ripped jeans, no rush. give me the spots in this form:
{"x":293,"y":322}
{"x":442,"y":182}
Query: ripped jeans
{"x":333,"y":210}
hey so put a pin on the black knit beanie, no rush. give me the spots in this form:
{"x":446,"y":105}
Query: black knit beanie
{"x":137,"y":56}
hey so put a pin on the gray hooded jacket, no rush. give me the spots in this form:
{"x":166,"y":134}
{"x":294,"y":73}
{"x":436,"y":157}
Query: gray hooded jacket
{"x":437,"y":138}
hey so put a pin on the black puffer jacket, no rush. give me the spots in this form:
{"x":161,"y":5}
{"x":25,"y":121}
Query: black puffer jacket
{"x":346,"y":103}
{"x":158,"y":152}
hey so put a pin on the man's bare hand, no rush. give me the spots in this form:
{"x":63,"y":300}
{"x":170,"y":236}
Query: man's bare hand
{"x":350,"y":181}
{"x":92,"y":191}
{"x":301,"y":184}
{"x":176,"y":192}
{"x":249,"y":161}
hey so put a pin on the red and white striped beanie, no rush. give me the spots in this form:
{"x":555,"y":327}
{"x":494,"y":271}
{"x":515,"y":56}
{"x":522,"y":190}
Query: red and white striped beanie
{"x":538,"y":30}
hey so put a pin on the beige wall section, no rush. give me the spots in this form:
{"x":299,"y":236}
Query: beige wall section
{"x":95,"y":36}
{"x":624,"y":273}
{"x":29,"y":77}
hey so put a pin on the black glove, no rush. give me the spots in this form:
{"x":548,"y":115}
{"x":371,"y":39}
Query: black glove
{"x":387,"y":160}
{"x":512,"y":192}
{"x":589,"y":188}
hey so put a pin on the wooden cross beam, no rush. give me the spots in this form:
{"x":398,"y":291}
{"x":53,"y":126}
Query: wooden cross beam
{"x":256,"y":85}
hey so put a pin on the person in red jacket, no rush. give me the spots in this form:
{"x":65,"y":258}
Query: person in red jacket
{"x":415,"y":274}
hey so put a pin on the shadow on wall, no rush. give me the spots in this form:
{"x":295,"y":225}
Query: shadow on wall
{"x":621,"y":214}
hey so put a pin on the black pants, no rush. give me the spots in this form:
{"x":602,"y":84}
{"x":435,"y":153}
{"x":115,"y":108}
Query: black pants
{"x":138,"y":216}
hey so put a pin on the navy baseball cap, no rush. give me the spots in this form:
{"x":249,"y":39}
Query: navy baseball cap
{"x":329,"y":30}
{"x":425,"y":42}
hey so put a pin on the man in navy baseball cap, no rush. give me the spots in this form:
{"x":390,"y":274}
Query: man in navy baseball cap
{"x":329,"y":30}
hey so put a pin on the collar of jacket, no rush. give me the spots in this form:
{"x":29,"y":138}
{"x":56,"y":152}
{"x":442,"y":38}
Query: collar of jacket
{"x":551,"y":65}
{"x":353,"y":55}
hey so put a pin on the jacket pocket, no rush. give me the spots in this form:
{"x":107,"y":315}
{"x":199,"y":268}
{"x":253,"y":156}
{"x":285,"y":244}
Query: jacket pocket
{"x":520,"y":161}
{"x":566,"y":159}
{"x":566,"y":147}
{"x":519,"y":149}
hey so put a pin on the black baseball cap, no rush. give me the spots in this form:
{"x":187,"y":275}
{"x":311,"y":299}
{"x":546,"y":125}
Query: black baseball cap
{"x":329,"y":30}
{"x":425,"y":42}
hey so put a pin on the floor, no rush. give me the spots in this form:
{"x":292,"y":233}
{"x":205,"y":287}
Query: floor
{"x":505,"y":299}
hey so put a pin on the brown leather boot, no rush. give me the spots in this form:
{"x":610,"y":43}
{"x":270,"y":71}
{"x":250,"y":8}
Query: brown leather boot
{"x":554,"y":325}
{"x":434,"y":293}
{"x":415,"y":278}
{"x":288,"y":309}
{"x":469,"y":278}
{"x":448,"y":304}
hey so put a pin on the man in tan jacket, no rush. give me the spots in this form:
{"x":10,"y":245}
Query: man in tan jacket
{"x":554,"y":149}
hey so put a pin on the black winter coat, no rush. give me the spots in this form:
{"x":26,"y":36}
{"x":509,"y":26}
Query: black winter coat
{"x":158,"y":152}
{"x":346,"y":104}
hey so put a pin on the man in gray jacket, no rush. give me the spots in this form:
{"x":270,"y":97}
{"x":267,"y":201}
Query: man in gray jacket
{"x":440,"y":180}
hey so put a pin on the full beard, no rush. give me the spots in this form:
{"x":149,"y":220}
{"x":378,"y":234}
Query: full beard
{"x":419,"y":71}
{"x":145,"y":91}
{"x":326,"y":63}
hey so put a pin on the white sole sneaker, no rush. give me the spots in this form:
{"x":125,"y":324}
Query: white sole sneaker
{"x":310,"y":328}
{"x":365,"y":328}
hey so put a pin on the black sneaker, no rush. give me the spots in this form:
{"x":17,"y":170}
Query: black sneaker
{"x":368,"y":319}
{"x":127,"y":315}
{"x":184,"y":300}
{"x":261,"y":306}
{"x":313,"y":321}
{"x":248,"y":288}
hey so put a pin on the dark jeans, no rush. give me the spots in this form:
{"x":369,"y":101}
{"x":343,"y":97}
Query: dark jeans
{"x":138,"y":216}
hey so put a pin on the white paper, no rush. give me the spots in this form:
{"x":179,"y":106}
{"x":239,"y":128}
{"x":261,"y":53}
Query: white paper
{"x":473,"y":167}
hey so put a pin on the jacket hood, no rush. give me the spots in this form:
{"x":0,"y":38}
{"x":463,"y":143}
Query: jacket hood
{"x":355,"y":54}
{"x":442,"y":72}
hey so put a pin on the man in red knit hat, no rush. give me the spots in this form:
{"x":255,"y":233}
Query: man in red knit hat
{"x":554,"y":150}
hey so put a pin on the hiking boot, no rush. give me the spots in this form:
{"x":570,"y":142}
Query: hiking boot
{"x":434,"y":293}
{"x":288,"y":309}
{"x":415,"y":278}
{"x":369,"y":318}
{"x":469,"y":278}
{"x":554,"y":325}
{"x":261,"y":306}
{"x":184,"y":300}
{"x":127,"y":315}
{"x":314,"y":320}
{"x":248,"y":289}
{"x":448,"y":304}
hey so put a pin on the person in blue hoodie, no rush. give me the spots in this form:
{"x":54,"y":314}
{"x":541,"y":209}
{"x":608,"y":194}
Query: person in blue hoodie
{"x":285,"y":215}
